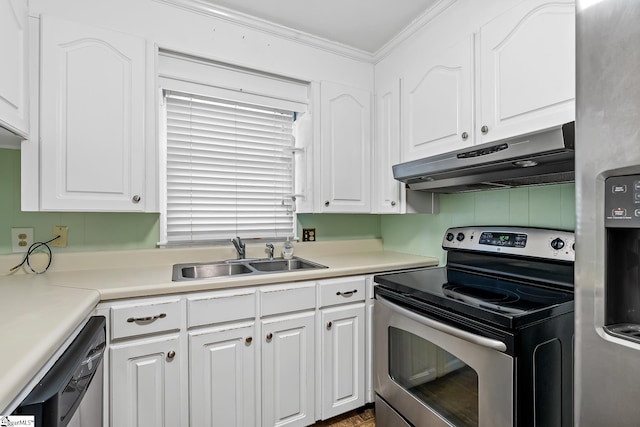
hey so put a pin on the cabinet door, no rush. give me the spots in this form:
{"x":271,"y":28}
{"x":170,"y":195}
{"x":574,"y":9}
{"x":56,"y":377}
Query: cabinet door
{"x":386,"y":193}
{"x":437,"y":103}
{"x":288,"y":375}
{"x":145,"y":383}
{"x":345,"y":149}
{"x":368,"y":355}
{"x":343,"y":360}
{"x":13,"y":72}
{"x":222,"y":379}
{"x":527,"y":69}
{"x":92,"y":118}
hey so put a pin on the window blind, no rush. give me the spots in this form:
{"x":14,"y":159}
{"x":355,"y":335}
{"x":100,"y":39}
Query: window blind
{"x":229,"y":169}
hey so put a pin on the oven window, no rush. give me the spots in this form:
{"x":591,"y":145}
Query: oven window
{"x":437,"y":378}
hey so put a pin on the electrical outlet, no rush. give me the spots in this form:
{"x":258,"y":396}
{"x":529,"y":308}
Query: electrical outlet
{"x":308,"y":234}
{"x":21,"y":239}
{"x":63,"y":232}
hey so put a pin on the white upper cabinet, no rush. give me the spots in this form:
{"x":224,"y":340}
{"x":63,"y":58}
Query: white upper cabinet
{"x":14,"y":113}
{"x":528,"y":69}
{"x":386,"y":196}
{"x":345,"y":149}
{"x":511,"y":76}
{"x":92,"y":124}
{"x":438,"y":102}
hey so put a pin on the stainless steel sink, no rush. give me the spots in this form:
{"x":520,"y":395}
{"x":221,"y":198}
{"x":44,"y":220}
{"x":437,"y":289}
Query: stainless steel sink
{"x":203,"y":271}
{"x":195,"y":271}
{"x":284,"y":265}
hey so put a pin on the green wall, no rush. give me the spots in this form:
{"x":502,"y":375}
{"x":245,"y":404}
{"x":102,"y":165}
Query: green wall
{"x":341,"y":226}
{"x":113,"y":231}
{"x":551,"y":206}
{"x":87,"y":231}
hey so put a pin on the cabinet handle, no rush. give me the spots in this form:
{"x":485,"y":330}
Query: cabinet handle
{"x":347,"y":294}
{"x":269,"y":336}
{"x":147,"y":319}
{"x":393,"y":203}
{"x":329,"y":325}
{"x":326,"y":203}
{"x":171,"y":354}
{"x":136,"y":199}
{"x":464,"y":136}
{"x":248,"y":340}
{"x":484,"y":129}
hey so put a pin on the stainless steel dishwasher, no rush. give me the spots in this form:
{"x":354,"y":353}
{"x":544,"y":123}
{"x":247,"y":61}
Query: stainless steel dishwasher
{"x":70,"y":393}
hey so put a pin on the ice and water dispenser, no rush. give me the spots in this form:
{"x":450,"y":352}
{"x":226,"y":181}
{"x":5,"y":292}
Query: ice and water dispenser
{"x":622,"y":256}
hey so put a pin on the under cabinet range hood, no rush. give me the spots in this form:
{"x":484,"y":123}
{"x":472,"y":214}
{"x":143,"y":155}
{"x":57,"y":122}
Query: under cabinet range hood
{"x":545,"y":157}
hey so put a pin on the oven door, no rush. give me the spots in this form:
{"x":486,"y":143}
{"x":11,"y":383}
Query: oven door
{"x":434,"y":374}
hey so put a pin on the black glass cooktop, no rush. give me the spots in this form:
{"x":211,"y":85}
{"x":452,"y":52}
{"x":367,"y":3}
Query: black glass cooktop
{"x":507,"y":303}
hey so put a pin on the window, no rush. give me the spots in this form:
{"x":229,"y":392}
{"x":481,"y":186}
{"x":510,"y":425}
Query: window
{"x":229,"y":151}
{"x":229,"y":169}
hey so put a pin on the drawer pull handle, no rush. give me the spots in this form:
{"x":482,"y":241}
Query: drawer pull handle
{"x":248,"y":340}
{"x":147,"y":319}
{"x":171,"y":354}
{"x":347,"y":294}
{"x":329,"y":325}
{"x":269,"y":336}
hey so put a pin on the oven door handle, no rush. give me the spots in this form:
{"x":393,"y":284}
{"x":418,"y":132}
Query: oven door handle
{"x":442,"y":327}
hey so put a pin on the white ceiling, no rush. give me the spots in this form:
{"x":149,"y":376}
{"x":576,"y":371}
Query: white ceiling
{"x":362,"y":24}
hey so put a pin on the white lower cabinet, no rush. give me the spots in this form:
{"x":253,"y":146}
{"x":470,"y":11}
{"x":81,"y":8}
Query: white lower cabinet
{"x":145,"y":360}
{"x":145,"y":382}
{"x":368,"y":341}
{"x":342,"y":359}
{"x":222,"y":378}
{"x":342,"y":345}
{"x":276,"y":355}
{"x":288,"y":370}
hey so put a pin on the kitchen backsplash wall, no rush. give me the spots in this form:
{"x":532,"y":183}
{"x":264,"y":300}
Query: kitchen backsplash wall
{"x":341,"y":226}
{"x":551,"y":206}
{"x":87,"y":231}
{"x":114,"y":231}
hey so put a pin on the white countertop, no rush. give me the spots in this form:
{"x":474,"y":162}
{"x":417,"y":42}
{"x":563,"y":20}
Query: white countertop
{"x":39,"y":312}
{"x":36,"y":320}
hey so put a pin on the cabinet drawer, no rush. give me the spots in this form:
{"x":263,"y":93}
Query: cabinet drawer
{"x":221,"y":307}
{"x":287,"y":298}
{"x":145,"y":318}
{"x":342,"y":291}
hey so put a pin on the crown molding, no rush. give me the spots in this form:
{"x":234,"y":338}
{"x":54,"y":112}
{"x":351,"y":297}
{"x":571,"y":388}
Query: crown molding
{"x":204,"y":7}
{"x":415,"y":26}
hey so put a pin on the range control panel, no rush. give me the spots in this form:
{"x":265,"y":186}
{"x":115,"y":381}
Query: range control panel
{"x":524,"y":241}
{"x":622,"y":201}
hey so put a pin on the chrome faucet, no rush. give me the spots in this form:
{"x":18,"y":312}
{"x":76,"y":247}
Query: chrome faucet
{"x":270,"y":247}
{"x":240,"y":247}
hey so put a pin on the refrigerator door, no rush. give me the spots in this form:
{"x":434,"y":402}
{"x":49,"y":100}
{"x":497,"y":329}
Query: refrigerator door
{"x":607,"y":366}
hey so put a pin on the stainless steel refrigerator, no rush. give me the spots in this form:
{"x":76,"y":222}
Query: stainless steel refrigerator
{"x":607,"y":359}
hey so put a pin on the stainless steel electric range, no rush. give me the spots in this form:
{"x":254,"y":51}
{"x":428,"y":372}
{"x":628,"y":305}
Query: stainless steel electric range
{"x":486,"y":340}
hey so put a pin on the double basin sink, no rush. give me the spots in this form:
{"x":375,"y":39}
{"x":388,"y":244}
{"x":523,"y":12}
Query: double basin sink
{"x":230,"y":268}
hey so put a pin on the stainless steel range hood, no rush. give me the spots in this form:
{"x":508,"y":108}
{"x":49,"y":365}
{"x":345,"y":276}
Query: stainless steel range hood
{"x":538,"y":158}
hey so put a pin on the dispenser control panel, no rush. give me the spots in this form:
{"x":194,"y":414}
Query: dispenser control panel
{"x":622,"y":201}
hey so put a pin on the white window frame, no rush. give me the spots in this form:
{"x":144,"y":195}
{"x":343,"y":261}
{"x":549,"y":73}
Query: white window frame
{"x":187,"y":74}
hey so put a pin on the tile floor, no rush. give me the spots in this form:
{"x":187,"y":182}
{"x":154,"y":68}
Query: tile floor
{"x":363,"y":417}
